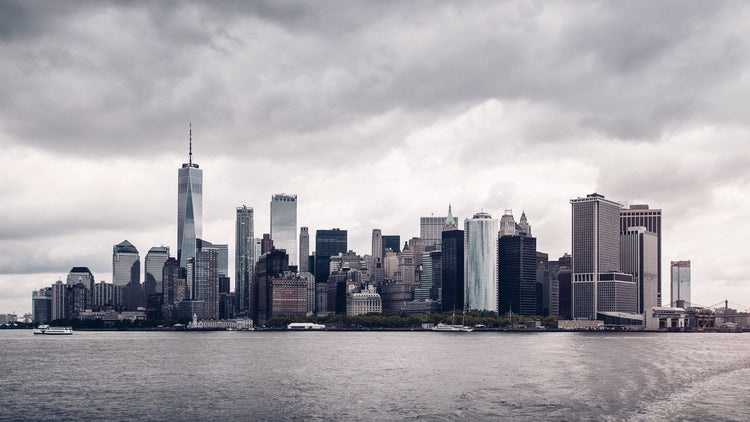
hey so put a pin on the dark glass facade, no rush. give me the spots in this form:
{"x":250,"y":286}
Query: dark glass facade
{"x":327,"y":244}
{"x":393,"y":242}
{"x":517,"y":275}
{"x":452,"y":277}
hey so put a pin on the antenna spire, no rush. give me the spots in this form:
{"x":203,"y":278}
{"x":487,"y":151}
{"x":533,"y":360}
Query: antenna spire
{"x":191,"y":144}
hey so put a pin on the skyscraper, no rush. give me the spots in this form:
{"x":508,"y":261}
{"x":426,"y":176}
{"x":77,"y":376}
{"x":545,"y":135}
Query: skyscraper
{"x":452,"y":265}
{"x":155,"y":259}
{"x":81,"y":275}
{"x":327,"y":244}
{"x":284,"y":224}
{"x":480,"y":262}
{"x":377,"y":271}
{"x":430,"y":230}
{"x":304,"y":249}
{"x":244,"y":259}
{"x":642,"y":216}
{"x":393,"y":242}
{"x":680,"y":283}
{"x":189,"y":207}
{"x":206,"y":276}
{"x":598,"y":285}
{"x":639,"y":251}
{"x":517,"y":275}
{"x":126,"y":273}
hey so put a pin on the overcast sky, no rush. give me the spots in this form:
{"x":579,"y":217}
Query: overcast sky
{"x":374,"y":114}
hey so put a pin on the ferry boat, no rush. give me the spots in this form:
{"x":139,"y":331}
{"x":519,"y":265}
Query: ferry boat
{"x":305,"y":326}
{"x":53,"y":331}
{"x":452,"y":328}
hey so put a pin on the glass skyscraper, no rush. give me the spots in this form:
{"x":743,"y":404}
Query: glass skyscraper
{"x":284,"y":224}
{"x":189,"y":208}
{"x":680,"y":283}
{"x":244,"y":259}
{"x":155,"y":259}
{"x":328,"y":243}
{"x":480,"y":262}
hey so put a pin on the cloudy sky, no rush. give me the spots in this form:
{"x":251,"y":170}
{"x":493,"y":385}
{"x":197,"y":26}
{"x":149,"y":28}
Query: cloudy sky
{"x":374,"y":114}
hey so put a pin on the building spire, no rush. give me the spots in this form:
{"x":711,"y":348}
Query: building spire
{"x":191,"y":144}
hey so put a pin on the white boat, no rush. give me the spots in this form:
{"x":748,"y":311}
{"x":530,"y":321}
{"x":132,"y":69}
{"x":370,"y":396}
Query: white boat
{"x":53,"y":331}
{"x":305,"y":326}
{"x":452,"y":328}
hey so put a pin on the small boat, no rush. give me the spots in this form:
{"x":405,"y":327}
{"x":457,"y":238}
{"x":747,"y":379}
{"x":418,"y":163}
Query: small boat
{"x":53,"y":331}
{"x":452,"y":327}
{"x":303,"y":326}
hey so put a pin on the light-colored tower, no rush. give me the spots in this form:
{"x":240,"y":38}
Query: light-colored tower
{"x":639,"y":257}
{"x":304,"y":250}
{"x":377,"y":271}
{"x":597,"y":284}
{"x":450,"y":223}
{"x":480,"y":262}
{"x":680,"y":282}
{"x":154,"y":263}
{"x":189,"y":207}
{"x":642,"y":216}
{"x":244,"y":256}
{"x":507,"y":224}
{"x":126,"y":264}
{"x":81,"y":275}
{"x":284,"y":224}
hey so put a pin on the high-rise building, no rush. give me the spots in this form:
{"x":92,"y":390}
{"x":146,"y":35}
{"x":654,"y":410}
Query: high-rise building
{"x":328,"y":243}
{"x":377,"y":270}
{"x":304,"y":249}
{"x":41,"y":305}
{"x":270,"y":265}
{"x":126,"y":273}
{"x":430,"y":230}
{"x":452,"y":269}
{"x":598,"y":285}
{"x":393,"y":242}
{"x":639,"y":257}
{"x":564,"y":277}
{"x":284,"y":224}
{"x":517,"y":275}
{"x":206,"y":281}
{"x":429,"y":282}
{"x":104,"y":295}
{"x":155,"y":259}
{"x":642,"y":216}
{"x":173,"y":288}
{"x":58,"y":300}
{"x":680,"y":282}
{"x":189,"y":207}
{"x":81,"y":275}
{"x":480,"y":262}
{"x":244,"y":262}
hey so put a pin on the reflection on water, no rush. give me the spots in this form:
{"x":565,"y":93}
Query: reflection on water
{"x":374,"y":376}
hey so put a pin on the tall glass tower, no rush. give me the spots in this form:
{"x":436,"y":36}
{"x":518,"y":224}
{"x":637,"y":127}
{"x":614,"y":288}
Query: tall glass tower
{"x":284,"y":224}
{"x":480,"y":262}
{"x":244,"y":256}
{"x":189,"y":207}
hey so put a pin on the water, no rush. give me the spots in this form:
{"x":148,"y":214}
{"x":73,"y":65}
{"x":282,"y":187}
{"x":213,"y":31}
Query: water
{"x":374,"y":376}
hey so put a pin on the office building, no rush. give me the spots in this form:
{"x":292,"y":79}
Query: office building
{"x":598,"y":285}
{"x":639,"y":257}
{"x":452,"y":269}
{"x":126,"y":273}
{"x":284,"y":224}
{"x":363,"y":303}
{"x":430,"y":231}
{"x":551,"y":289}
{"x":431,"y":278}
{"x":517,"y":275}
{"x":328,"y":243}
{"x":680,"y":281}
{"x":104,"y":296}
{"x":377,"y":269}
{"x":542,"y":279}
{"x":642,"y":216}
{"x":304,"y":250}
{"x":155,"y":259}
{"x":270,"y":265}
{"x":244,"y":262}
{"x":480,"y":262}
{"x":189,"y":207}
{"x":206,"y":281}
{"x":392,"y":242}
{"x":564,"y":280}
{"x":289,"y":295}
{"x":81,"y":275}
{"x":41,"y":305}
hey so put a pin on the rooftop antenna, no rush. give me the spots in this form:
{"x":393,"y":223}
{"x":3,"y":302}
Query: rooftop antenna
{"x":191,"y":144}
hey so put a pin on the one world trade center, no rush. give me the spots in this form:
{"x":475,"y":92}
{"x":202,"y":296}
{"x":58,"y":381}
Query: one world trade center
{"x":189,"y":208}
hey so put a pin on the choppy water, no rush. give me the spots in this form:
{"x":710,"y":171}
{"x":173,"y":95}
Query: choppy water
{"x":374,"y":376}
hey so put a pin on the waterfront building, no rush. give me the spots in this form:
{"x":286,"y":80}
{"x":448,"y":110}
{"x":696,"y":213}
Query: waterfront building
{"x":328,"y":243}
{"x":680,"y":281}
{"x":206,"y":281}
{"x":304,"y":249}
{"x":81,"y":275}
{"x":284,"y":224}
{"x":270,"y":265}
{"x":189,"y":207}
{"x":226,"y":305}
{"x":642,"y":216}
{"x":517,"y":275}
{"x":126,"y":273}
{"x":363,"y":303}
{"x":244,"y":262}
{"x":452,"y":268}
{"x":639,"y":257}
{"x":289,"y":295}
{"x":154,"y":263}
{"x":41,"y":305}
{"x":480,"y":262}
{"x":596,"y":259}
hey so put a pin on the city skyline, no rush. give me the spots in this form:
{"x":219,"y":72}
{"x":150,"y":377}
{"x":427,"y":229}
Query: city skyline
{"x":370,"y":132}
